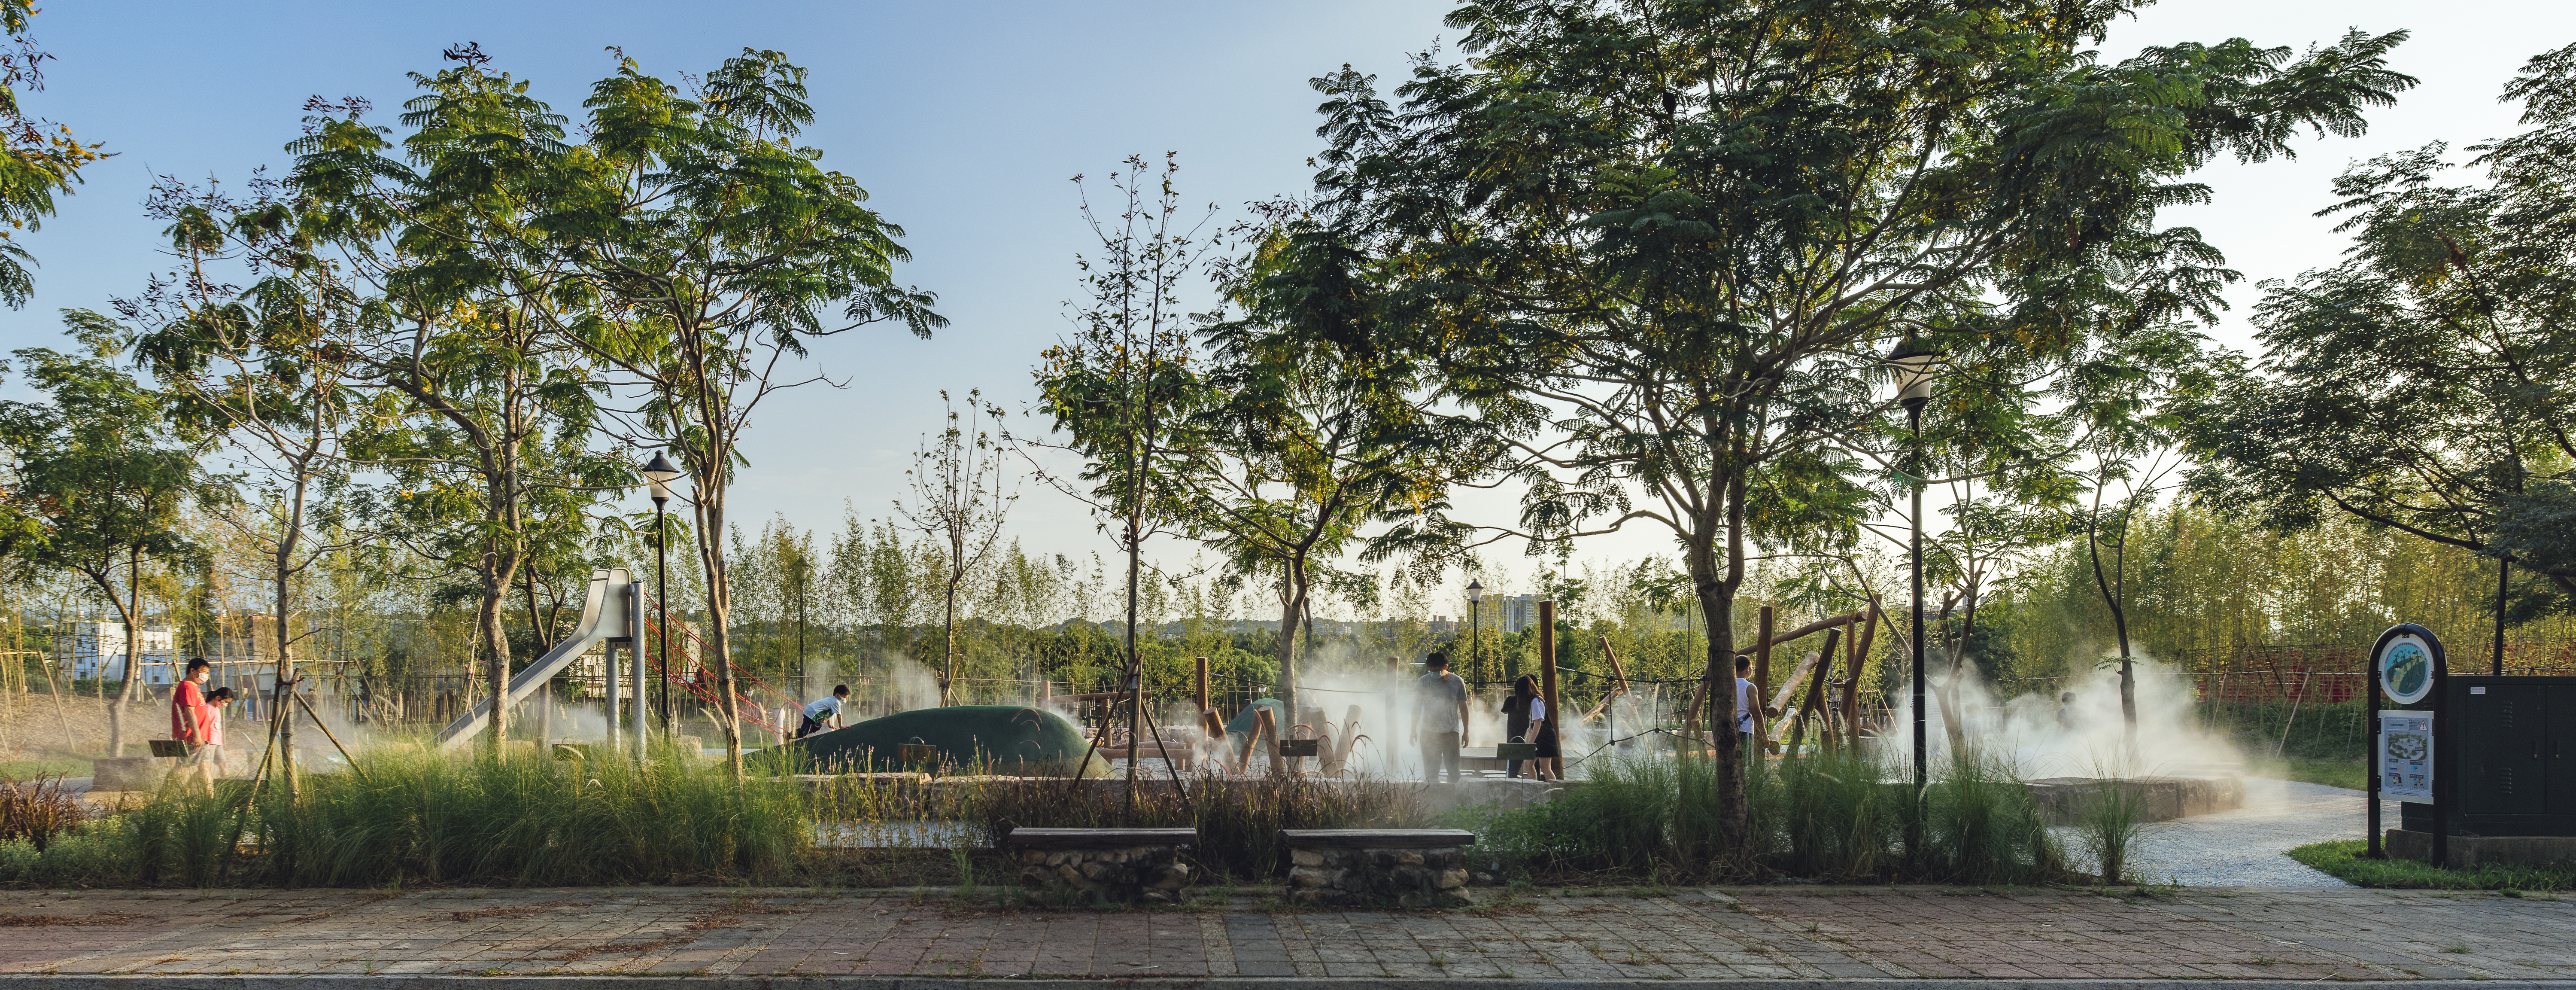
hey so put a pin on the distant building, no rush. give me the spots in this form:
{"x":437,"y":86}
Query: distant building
{"x":1513,"y":613}
{"x":98,"y":653}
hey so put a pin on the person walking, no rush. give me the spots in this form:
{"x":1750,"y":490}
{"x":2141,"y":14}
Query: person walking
{"x":1516,"y":717}
{"x":825,"y":713}
{"x":1439,"y":718}
{"x":212,"y":754}
{"x":188,"y":705}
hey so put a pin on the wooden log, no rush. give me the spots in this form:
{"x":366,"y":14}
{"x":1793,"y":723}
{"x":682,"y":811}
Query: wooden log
{"x":1265,"y":726}
{"x":1618,"y":681}
{"x":1780,"y":701}
{"x":1200,"y":687}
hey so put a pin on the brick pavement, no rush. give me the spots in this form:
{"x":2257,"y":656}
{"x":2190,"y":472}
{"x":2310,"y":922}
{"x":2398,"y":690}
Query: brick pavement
{"x":1791,"y":933}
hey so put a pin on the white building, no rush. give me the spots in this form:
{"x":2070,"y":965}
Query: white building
{"x":98,"y":653}
{"x":1512,"y":613}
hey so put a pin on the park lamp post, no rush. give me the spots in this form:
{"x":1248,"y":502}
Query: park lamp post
{"x":660,"y":474}
{"x":1476,"y":625}
{"x":1913,"y":363}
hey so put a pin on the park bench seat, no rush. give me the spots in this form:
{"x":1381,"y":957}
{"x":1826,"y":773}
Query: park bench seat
{"x":1099,"y":838}
{"x":1376,"y":838}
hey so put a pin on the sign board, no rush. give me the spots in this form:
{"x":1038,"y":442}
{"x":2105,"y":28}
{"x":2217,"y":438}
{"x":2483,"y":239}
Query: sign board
{"x":2404,"y":663}
{"x":2405,"y":757}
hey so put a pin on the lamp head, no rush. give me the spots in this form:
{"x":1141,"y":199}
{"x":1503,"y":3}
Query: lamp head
{"x":1475,"y":591}
{"x":1912,"y":361}
{"x":660,"y":474}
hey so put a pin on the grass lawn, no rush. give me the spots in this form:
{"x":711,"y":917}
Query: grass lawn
{"x":2342,"y":859}
{"x":2331,"y":772}
{"x":62,"y":765}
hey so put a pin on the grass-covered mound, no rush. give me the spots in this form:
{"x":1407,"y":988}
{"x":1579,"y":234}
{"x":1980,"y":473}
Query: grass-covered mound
{"x":1001,"y":739}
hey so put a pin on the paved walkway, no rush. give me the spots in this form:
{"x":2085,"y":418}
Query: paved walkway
{"x":2243,"y":848}
{"x":1775,"y":933}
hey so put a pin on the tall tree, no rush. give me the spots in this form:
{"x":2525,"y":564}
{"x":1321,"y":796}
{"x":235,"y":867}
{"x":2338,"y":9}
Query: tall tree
{"x":1681,"y":234}
{"x":480,"y":408}
{"x":1314,"y":435}
{"x":98,"y":485}
{"x":960,"y":498}
{"x":2428,"y":383}
{"x":719,"y":250}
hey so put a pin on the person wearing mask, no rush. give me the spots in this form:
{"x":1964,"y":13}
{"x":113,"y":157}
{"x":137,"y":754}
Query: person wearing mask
{"x":824,"y":714}
{"x":1439,"y":718}
{"x":188,"y":705}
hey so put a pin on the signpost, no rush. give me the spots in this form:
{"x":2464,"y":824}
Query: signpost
{"x":2407,"y":747}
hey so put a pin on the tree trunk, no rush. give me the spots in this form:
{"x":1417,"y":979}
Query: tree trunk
{"x":1716,"y":594}
{"x":1292,"y":601}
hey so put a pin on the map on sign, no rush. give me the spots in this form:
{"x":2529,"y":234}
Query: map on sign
{"x":2406,"y":755}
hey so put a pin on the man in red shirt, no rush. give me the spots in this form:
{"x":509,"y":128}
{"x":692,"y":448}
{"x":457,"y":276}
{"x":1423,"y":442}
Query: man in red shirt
{"x":188,"y":721}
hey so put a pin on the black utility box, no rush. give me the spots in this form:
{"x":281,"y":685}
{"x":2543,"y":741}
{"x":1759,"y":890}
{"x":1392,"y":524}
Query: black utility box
{"x":2514,"y":769}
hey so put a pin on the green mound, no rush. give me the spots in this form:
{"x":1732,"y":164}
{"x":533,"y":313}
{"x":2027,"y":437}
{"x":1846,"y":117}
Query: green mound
{"x":1004,"y":739}
{"x":1239,"y":731}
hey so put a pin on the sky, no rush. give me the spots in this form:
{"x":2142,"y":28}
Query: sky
{"x":966,"y":121}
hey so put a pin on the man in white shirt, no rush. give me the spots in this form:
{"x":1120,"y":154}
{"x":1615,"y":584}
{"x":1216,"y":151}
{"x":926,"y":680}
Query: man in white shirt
{"x":1439,"y":718}
{"x":1746,"y":706}
{"x":824,"y":714}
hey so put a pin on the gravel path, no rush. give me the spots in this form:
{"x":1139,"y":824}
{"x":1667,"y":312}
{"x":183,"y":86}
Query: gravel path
{"x":2243,"y":848}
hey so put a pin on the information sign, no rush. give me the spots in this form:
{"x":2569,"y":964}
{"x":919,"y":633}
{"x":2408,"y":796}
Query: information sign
{"x":2406,"y":755}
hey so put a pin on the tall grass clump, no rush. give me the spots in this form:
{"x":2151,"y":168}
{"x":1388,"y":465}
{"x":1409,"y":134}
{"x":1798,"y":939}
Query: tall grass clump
{"x":2109,"y":822}
{"x":37,"y":810}
{"x":1840,"y":817}
{"x":427,"y":817}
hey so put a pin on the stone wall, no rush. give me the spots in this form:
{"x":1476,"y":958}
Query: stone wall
{"x":1405,"y":877}
{"x":1123,"y":875}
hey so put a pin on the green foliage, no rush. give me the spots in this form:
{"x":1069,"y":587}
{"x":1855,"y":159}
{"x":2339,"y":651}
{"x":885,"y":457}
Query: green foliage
{"x":2425,"y":383}
{"x":2343,"y":860}
{"x":38,"y":158}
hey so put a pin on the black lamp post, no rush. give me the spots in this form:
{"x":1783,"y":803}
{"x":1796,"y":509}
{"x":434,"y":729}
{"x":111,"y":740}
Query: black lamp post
{"x":1913,"y":364}
{"x":660,"y":473}
{"x":1476,"y":624}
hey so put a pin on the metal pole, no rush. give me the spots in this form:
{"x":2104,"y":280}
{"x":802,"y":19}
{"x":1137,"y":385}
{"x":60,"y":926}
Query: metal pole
{"x":635,"y":654}
{"x":1476,"y":634}
{"x":662,"y":608}
{"x":1922,"y":759}
{"x":2503,"y":568}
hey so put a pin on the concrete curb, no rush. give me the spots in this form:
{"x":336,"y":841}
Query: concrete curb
{"x":401,"y":982}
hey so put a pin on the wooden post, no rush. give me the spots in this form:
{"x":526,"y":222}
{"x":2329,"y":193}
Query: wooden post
{"x":1547,"y":678}
{"x":1762,"y":655}
{"x":1851,"y":682}
{"x":1201,"y":692}
{"x":1812,"y":706}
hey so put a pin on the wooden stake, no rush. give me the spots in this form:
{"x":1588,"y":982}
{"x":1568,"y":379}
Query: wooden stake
{"x":1851,"y":682}
{"x":1813,"y":706}
{"x":1762,"y":655}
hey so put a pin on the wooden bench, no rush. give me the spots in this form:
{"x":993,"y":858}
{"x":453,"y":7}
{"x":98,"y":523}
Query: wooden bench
{"x":1413,"y":867}
{"x":1104,"y":864}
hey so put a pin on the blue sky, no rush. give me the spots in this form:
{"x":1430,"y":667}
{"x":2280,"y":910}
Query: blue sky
{"x":966,"y":120}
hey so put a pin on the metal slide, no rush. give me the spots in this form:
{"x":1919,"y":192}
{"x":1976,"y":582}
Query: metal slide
{"x":609,"y":614}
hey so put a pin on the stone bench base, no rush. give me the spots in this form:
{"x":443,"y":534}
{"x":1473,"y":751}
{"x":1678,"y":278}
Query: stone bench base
{"x":1103,"y":865}
{"x":1406,"y":867}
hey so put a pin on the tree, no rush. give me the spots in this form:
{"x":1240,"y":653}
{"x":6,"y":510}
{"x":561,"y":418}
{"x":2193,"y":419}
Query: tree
{"x":98,"y":486}
{"x":38,"y":158}
{"x":1313,"y":435}
{"x":1122,"y":388}
{"x":959,"y":500}
{"x":2428,"y":383}
{"x":1680,"y":235}
{"x":262,"y":370}
{"x":480,"y":409}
